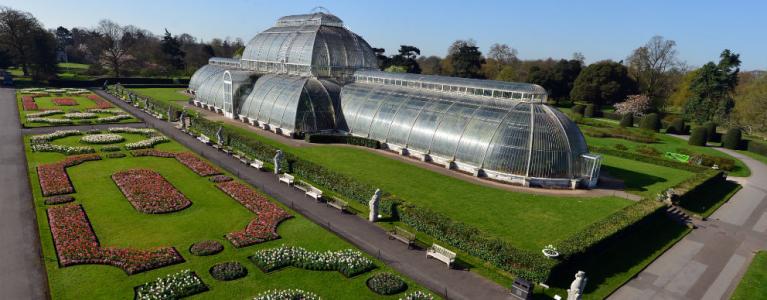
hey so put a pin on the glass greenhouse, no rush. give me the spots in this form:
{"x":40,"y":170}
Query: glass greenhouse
{"x":310,"y":74}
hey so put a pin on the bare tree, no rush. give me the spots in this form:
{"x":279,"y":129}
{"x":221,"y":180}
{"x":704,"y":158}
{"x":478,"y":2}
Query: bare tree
{"x":112,"y":44}
{"x":502,"y":53}
{"x":17,"y":32}
{"x":650,"y":65}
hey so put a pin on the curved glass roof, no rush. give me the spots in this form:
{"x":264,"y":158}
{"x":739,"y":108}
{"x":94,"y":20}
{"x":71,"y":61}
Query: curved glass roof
{"x":516,"y":137}
{"x":315,"y":44}
{"x":294,"y":103}
{"x":203,"y":74}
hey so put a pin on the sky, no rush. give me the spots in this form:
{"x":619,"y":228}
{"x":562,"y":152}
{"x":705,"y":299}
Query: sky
{"x":537,"y":29}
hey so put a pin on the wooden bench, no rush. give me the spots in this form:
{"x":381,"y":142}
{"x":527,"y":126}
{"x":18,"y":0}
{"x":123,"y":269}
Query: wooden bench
{"x":314,"y":193}
{"x":441,"y":253}
{"x":257,"y":164}
{"x":338,"y":204}
{"x":402,"y":235}
{"x":287,"y":178}
{"x":204,"y":139}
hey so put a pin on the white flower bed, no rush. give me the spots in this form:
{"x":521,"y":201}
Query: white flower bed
{"x":104,"y":111}
{"x":418,"y":295}
{"x":45,"y":113}
{"x":105,"y":138}
{"x":49,"y":120}
{"x":289,"y":294}
{"x":172,"y":286}
{"x":80,"y":115}
{"x":148,"y":143}
{"x":68,"y":150}
{"x":144,"y":131}
{"x":42,"y":138}
{"x":348,"y":262}
{"x":111,"y":119}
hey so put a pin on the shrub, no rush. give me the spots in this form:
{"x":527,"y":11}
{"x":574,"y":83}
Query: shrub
{"x":205,"y":248}
{"x":698,"y":137}
{"x":627,"y":120}
{"x":592,"y":111}
{"x":732,"y":139}
{"x":647,"y":150}
{"x":579,"y":109}
{"x":723,"y":163}
{"x":650,"y":122}
{"x":226,"y":271}
{"x":757,"y":147}
{"x":386,"y":284}
{"x":677,"y":126}
{"x":711,"y":133}
{"x":343,"y":139}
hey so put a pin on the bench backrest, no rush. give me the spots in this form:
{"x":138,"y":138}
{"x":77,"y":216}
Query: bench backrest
{"x":288,"y":176}
{"x":258,"y":162}
{"x":442,"y":250}
{"x":316,"y":190}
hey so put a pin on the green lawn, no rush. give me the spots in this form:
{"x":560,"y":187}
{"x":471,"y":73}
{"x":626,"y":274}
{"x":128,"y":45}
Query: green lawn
{"x":171,"y":95}
{"x":754,"y":282}
{"x":211,"y":215}
{"x":753,"y":155}
{"x":642,"y":178}
{"x":668,"y":143}
{"x":46,"y":103}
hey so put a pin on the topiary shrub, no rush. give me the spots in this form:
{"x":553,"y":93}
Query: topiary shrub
{"x":650,"y":122}
{"x":386,"y":284}
{"x":579,"y":109}
{"x":732,"y":139}
{"x":698,"y":137}
{"x":711,"y":133}
{"x":204,"y":248}
{"x":226,"y":271}
{"x":627,"y":120}
{"x":676,"y":127}
{"x":592,"y":111}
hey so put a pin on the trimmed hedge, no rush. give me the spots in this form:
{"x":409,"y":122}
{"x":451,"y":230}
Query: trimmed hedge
{"x":650,"y":122}
{"x":592,"y":111}
{"x":154,"y":105}
{"x":627,"y":120}
{"x":711,"y":133}
{"x":757,"y":147}
{"x":579,"y":109}
{"x":732,"y":139}
{"x":698,"y":137}
{"x":677,"y":127}
{"x":343,"y":139}
{"x":639,"y":136}
{"x":698,"y":182}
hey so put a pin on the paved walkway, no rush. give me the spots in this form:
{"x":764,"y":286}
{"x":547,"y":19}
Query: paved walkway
{"x":616,"y":190}
{"x":452,"y":284}
{"x":709,"y":262}
{"x":22,"y":275}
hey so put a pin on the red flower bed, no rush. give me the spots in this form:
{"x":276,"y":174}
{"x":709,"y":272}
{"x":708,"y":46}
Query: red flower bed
{"x":28,"y":103}
{"x":53,"y":177}
{"x":76,"y":243}
{"x":149,"y":192}
{"x":100,"y":103}
{"x":197,"y":165}
{"x":188,"y":159}
{"x":264,"y":226}
{"x":64,"y":101}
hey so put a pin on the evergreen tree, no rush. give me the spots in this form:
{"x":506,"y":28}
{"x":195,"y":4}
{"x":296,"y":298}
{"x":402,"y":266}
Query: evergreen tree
{"x":711,"y":90}
{"x":406,"y":59}
{"x":171,"y":47}
{"x":467,"y":62}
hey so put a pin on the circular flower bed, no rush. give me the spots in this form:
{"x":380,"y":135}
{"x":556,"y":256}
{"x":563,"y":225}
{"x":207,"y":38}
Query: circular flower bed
{"x":204,"y":248}
{"x":105,"y":138}
{"x":290,"y":294}
{"x":386,"y":284}
{"x":228,"y":271}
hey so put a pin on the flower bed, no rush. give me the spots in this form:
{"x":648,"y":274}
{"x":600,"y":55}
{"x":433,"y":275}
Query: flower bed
{"x":112,"y":119}
{"x":28,"y":103}
{"x":50,"y":121}
{"x":348,"y":262}
{"x":264,"y":226}
{"x":60,"y":199}
{"x":76,"y":243}
{"x":80,"y":115}
{"x":418,"y":295}
{"x":64,"y":101}
{"x":149,"y":192}
{"x":145,"y":131}
{"x":45,"y":113}
{"x":227,"y":271}
{"x":68,"y":150}
{"x":53,"y":177}
{"x":116,"y":155}
{"x":104,"y":138}
{"x":205,"y":248}
{"x":173,"y":286}
{"x":386,"y":284}
{"x":197,"y":165}
{"x":289,"y":294}
{"x":110,"y":148}
{"x":100,"y":103}
{"x":43,"y":138}
{"x":220,"y":178}
{"x":148,"y":143}
{"x":152,"y":152}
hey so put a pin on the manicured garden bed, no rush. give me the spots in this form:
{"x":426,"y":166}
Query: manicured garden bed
{"x":268,"y":215}
{"x":149,"y":192}
{"x":40,"y":110}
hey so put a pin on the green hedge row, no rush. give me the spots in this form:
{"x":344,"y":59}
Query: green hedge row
{"x":154,"y":105}
{"x":757,"y":147}
{"x":697,"y":182}
{"x":647,"y":159}
{"x":343,"y":139}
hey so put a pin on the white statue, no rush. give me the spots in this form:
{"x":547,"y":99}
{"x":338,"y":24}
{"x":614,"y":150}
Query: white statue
{"x":182,"y":118}
{"x":219,"y":138}
{"x":277,"y":162}
{"x":576,"y":288}
{"x":373,"y":205}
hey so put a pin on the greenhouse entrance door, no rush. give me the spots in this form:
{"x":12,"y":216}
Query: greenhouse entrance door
{"x":228,"y":101}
